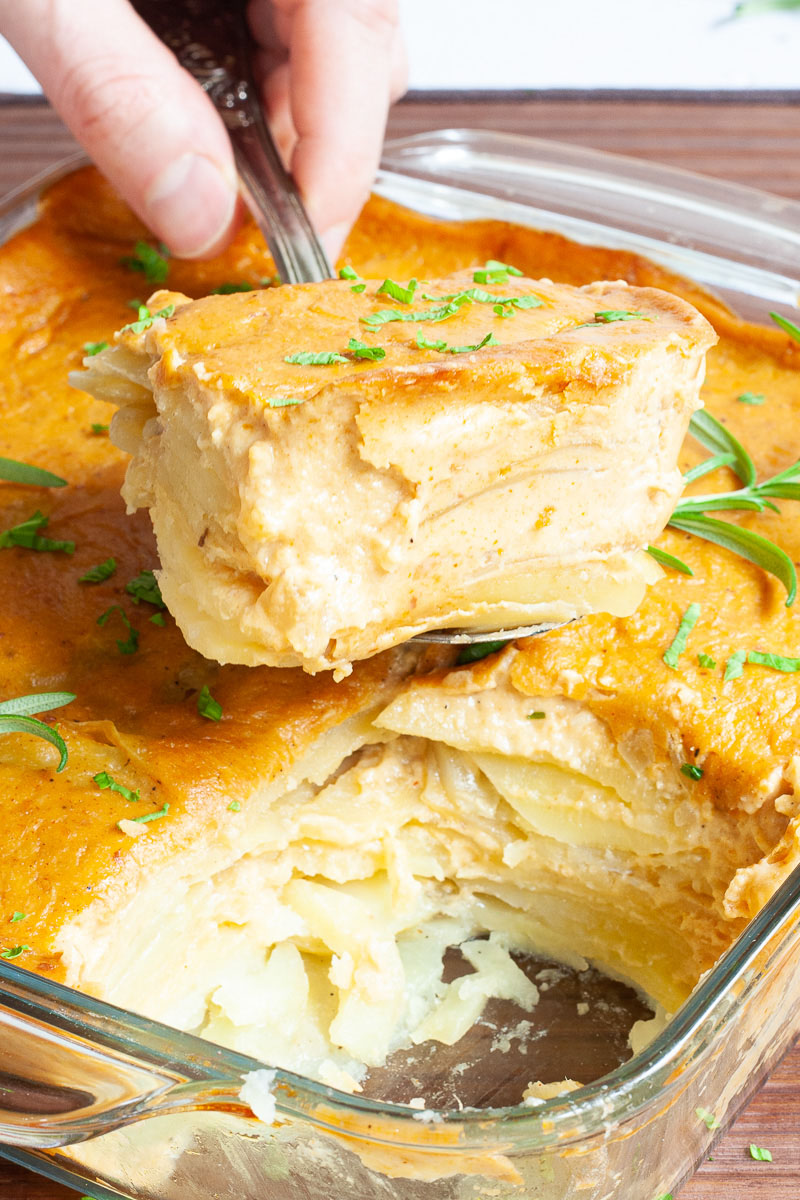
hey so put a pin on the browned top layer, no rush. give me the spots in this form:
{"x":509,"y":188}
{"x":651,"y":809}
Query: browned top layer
{"x":241,"y":343}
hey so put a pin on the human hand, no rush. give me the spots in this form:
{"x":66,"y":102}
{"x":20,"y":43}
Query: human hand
{"x":330,"y":70}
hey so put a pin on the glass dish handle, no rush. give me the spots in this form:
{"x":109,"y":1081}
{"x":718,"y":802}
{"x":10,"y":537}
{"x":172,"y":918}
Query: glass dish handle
{"x":65,"y":1076}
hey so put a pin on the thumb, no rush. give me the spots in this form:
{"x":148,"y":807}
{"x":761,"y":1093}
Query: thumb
{"x":148,"y":126}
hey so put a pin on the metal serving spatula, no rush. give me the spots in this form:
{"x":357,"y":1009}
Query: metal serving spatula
{"x":212,"y":41}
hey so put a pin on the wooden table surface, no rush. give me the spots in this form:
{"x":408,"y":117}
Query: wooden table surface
{"x":747,"y":142}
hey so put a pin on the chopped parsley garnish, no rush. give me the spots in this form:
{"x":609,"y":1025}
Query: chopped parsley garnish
{"x":105,"y":781}
{"x":426,"y":344}
{"x":493,"y":271}
{"x":502,"y":310}
{"x":752,"y":398}
{"x":145,"y":318}
{"x":678,"y":644}
{"x":13,"y":951}
{"x":98,"y":428}
{"x":617,"y":314}
{"x":145,"y":817}
{"x":207,"y":706}
{"x":92,"y":348}
{"x":158,"y":619}
{"x":234,"y":806}
{"x":536,"y":716}
{"x":100,"y":573}
{"x":691,"y":771}
{"x":20,"y":472}
{"x":150,"y":261}
{"x":145,"y":587}
{"x":663,"y":1196}
{"x":705,"y":660}
{"x":16,"y":717}
{"x":669,"y":560}
{"x":735,"y":665}
{"x":284,"y":401}
{"x":759,"y":1153}
{"x":397,"y":292}
{"x":27,"y":535}
{"x":228,"y":289}
{"x":478,"y":650}
{"x":348,"y":272}
{"x":479,"y":296}
{"x":131,"y":643}
{"x":708,"y":1118}
{"x":358,"y":288}
{"x":523,"y":302}
{"x":384,"y":315}
{"x":610,"y":315}
{"x":778,"y":662}
{"x":489,"y":340}
{"x":308,"y":359}
{"x":362,"y":350}
{"x":17,"y":916}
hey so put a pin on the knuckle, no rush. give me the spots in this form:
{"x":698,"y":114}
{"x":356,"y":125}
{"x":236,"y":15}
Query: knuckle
{"x":99,"y":98}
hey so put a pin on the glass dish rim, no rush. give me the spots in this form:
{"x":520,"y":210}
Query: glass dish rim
{"x":591,"y":1109}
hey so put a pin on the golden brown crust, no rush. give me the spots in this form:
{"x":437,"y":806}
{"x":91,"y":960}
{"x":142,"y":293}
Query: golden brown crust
{"x":238,"y":344}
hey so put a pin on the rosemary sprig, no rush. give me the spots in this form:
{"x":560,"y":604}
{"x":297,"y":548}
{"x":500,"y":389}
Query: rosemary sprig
{"x":16,"y":717}
{"x":690,"y":514}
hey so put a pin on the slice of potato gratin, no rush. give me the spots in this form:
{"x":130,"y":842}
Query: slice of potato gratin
{"x":330,"y":472}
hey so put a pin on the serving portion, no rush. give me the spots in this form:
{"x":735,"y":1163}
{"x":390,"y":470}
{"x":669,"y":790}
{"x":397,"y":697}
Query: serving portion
{"x":328,"y":476}
{"x":281,"y":862}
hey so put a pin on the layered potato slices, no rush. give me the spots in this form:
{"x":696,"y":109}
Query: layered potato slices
{"x":330,"y":472}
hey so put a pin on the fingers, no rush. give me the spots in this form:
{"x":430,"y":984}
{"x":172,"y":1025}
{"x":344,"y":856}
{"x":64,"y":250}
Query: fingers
{"x":140,"y":116}
{"x":346,"y":65}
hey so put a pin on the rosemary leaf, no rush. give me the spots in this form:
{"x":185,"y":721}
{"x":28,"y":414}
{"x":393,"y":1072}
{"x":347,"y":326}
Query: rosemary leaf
{"x":37,"y":702}
{"x":22,"y":724}
{"x":744,"y":542}
{"x":669,"y":560}
{"x":712,"y":434}
{"x":709,"y":465}
{"x":19,"y":472}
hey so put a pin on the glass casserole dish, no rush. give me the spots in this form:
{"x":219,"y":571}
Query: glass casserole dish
{"x":97,"y":1069}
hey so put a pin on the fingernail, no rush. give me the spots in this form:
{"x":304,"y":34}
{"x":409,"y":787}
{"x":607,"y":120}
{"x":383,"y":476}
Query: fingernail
{"x":334,"y":238}
{"x":191,"y":205}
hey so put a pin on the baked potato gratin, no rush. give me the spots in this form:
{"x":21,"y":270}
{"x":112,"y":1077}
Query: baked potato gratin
{"x":279,"y":861}
{"x":328,"y":476}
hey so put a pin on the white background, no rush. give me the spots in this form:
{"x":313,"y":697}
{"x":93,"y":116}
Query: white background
{"x":578,"y":44}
